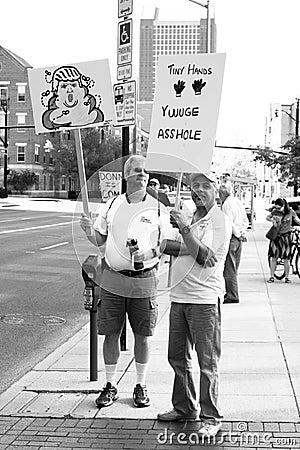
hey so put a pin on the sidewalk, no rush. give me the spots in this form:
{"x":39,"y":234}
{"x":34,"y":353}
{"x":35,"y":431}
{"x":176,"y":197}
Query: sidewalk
{"x":54,"y":404}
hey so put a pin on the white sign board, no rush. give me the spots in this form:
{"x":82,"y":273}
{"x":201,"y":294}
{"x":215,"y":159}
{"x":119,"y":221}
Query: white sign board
{"x":110,"y":184}
{"x":124,"y":72}
{"x":124,"y":8}
{"x":125,"y":42}
{"x":125,"y":102}
{"x":71,"y":96}
{"x":185,"y":112}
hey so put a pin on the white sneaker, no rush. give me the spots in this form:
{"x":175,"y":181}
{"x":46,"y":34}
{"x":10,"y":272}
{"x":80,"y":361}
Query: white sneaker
{"x":209,"y":430}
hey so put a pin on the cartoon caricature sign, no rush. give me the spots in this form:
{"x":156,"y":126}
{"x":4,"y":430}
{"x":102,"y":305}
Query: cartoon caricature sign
{"x":71,"y":96}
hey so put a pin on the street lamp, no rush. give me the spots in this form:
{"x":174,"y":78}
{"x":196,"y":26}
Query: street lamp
{"x":207,"y":24}
{"x":4,"y":107}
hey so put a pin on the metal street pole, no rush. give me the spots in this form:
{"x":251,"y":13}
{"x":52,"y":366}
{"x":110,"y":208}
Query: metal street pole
{"x":207,"y":22}
{"x":4,"y":107}
{"x":208,"y":29}
{"x":297,"y":119}
{"x":5,"y":151}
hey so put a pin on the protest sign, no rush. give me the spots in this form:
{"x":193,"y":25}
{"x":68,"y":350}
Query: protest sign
{"x":185,"y":112}
{"x":71,"y":96}
{"x":110,"y":184}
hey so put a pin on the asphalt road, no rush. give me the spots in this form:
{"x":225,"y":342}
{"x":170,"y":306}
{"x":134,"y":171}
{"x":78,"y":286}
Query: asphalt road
{"x":41,"y":302}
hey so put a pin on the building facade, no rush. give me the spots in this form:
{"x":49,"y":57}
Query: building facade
{"x":280,"y":127}
{"x":169,"y":38}
{"x":25,"y":150}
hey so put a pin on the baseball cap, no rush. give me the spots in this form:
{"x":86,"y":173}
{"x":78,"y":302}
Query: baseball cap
{"x":154,"y":181}
{"x":210,"y":176}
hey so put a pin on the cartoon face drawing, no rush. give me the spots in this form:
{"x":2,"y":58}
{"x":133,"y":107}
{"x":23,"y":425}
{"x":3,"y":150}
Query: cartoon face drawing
{"x":71,"y":104}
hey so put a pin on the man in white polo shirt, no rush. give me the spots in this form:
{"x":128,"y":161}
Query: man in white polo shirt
{"x":200,"y":245}
{"x":235,"y":210}
{"x":130,"y":225}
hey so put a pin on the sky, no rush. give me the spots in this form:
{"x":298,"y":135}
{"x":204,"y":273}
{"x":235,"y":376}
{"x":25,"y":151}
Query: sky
{"x":260,"y":39}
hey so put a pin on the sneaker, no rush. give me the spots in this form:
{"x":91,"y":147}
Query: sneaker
{"x":108,"y":395}
{"x":140,"y":396}
{"x":174,"y":415}
{"x":209,"y":430}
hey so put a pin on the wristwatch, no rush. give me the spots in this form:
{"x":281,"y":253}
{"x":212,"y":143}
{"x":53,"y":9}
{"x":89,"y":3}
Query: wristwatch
{"x":185,"y":230}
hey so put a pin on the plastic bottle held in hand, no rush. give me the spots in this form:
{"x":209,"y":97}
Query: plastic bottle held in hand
{"x":133,"y":247}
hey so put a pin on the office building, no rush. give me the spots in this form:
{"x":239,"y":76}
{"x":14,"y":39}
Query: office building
{"x":169,"y":38}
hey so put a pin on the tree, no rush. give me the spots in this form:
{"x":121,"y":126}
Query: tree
{"x":99,"y":149}
{"x":21,"y":181}
{"x":239,"y":163}
{"x":287,"y":162}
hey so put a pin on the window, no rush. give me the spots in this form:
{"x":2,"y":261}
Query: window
{"x":21,"y":92}
{"x":21,"y":119}
{"x":37,"y":183}
{"x":36,"y":153}
{"x":3,"y":93}
{"x":21,"y":152}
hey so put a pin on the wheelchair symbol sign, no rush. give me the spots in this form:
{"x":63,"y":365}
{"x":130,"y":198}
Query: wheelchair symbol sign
{"x":125,"y":33}
{"x":125,"y":42}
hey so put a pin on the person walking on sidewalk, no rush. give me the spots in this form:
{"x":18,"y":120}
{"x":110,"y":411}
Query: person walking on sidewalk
{"x":130,"y":226}
{"x":282,"y":216}
{"x":234,"y":209}
{"x":199,"y":246}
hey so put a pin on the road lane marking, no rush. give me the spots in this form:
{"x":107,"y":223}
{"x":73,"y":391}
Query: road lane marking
{"x":37,"y":228}
{"x":54,"y":245}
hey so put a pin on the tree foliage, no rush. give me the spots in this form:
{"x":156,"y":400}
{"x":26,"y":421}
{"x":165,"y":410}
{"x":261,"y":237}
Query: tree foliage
{"x":239,"y":163}
{"x":21,"y":180}
{"x":287,"y":162}
{"x":99,"y":150}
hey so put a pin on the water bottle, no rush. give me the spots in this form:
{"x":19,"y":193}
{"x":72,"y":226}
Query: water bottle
{"x":133,"y":247}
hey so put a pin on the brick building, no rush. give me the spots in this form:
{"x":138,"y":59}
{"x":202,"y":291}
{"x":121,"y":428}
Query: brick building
{"x":26,"y":150}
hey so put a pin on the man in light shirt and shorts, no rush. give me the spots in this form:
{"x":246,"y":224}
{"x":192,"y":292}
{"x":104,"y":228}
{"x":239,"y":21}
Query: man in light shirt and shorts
{"x":199,"y":246}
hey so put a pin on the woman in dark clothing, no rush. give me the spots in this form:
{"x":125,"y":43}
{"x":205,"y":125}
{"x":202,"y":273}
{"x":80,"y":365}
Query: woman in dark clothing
{"x":282,"y":216}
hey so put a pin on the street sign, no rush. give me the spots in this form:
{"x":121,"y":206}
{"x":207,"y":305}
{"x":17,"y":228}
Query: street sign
{"x":124,"y":72}
{"x":125,"y":103}
{"x":125,"y":8}
{"x":71,"y":96}
{"x":125,"y":42}
{"x":185,"y":112}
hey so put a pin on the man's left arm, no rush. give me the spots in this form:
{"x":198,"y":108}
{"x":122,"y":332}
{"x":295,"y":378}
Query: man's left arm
{"x":202,"y":254}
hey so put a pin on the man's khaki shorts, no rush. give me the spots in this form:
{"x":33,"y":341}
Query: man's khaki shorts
{"x":136,"y":296}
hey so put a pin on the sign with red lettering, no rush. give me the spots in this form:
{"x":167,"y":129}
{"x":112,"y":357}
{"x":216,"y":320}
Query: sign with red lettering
{"x":185,"y":112}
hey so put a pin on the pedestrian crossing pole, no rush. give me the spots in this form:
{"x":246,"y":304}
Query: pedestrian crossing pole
{"x":125,"y":154}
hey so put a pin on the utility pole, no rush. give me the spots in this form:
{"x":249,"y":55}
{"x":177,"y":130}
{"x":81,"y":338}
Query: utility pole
{"x":207,"y":22}
{"x":297,"y":119}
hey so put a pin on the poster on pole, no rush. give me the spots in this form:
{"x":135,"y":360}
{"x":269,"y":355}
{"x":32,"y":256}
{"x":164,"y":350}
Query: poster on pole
{"x":110,"y":184}
{"x":71,"y":96}
{"x":185,"y":112}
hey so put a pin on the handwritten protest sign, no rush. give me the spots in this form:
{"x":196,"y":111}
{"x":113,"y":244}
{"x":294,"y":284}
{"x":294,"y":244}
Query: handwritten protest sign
{"x":185,"y":112}
{"x":110,"y":184}
{"x":71,"y":96}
